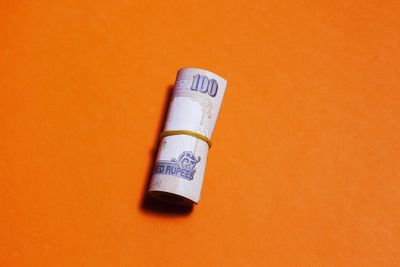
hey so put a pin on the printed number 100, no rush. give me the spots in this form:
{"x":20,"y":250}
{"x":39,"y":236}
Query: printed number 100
{"x":204,"y":85}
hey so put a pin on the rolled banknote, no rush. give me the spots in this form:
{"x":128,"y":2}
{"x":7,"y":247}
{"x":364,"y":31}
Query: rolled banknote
{"x":181,"y":160}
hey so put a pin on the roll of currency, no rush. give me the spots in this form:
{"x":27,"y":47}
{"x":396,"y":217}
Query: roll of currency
{"x":181,"y":160}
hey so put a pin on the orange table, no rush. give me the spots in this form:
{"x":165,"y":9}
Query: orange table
{"x":305,"y":166}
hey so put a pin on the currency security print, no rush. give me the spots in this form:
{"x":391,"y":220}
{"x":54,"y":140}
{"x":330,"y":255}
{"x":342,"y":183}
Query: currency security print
{"x":183,"y":167}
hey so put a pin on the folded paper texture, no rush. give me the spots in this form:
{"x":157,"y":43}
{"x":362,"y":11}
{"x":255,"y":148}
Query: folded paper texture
{"x":180,"y":164}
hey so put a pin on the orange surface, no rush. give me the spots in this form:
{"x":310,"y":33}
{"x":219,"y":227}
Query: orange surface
{"x":305,"y":166}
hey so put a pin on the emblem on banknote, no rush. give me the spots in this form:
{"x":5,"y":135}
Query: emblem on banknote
{"x":183,"y":167}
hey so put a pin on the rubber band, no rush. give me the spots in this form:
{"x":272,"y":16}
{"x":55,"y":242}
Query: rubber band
{"x":186,"y":132}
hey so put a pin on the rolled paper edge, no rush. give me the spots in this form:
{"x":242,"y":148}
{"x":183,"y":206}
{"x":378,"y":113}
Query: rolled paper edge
{"x":171,"y":198}
{"x":204,"y":70}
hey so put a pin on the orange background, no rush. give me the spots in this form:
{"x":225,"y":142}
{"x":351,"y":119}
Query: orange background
{"x":305,"y":166}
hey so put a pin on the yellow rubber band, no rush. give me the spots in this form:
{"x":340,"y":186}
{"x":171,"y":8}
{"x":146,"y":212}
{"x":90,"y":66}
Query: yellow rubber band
{"x":186,"y":132}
